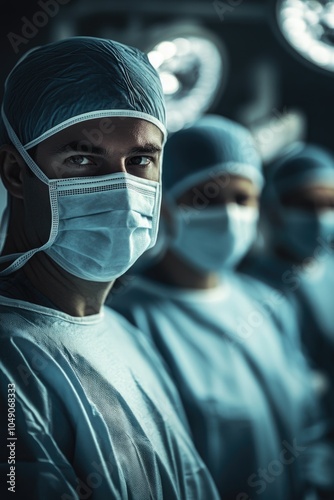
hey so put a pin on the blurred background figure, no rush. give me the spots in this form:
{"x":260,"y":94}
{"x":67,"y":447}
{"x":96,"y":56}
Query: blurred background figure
{"x":297,"y":251}
{"x":244,"y":383}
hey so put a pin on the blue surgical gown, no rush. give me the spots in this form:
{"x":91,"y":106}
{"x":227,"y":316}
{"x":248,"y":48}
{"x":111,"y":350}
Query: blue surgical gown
{"x":310,"y":290}
{"x":247,"y":390}
{"x":96,"y":414}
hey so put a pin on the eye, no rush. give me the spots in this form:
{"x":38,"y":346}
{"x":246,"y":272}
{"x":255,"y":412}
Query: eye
{"x":241,"y":199}
{"x":141,"y":161}
{"x":80,"y":160}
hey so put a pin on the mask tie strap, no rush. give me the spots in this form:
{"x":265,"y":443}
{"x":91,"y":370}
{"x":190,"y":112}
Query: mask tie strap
{"x":22,"y":258}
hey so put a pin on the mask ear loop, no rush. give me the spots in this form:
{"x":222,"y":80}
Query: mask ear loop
{"x":155,"y":252}
{"x":4,"y":223}
{"x":18,"y":145}
{"x":167,"y":231}
{"x":22,"y":258}
{"x":156,"y":215}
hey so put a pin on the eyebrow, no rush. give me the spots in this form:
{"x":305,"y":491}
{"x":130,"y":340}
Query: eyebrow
{"x":79,"y":147}
{"x":147,"y":148}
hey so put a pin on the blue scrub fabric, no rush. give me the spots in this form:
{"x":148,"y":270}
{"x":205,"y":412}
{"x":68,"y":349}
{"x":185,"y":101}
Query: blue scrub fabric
{"x":309,"y":288}
{"x":64,"y":79}
{"x":235,"y":356}
{"x":97,"y":416}
{"x":223,"y":146}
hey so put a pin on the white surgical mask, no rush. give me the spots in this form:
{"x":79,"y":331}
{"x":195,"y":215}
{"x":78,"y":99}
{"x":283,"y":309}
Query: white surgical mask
{"x":301,"y":232}
{"x":100,"y":225}
{"x":213,"y":239}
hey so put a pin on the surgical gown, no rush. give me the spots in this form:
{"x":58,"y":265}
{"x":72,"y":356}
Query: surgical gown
{"x":244,"y":383}
{"x":310,"y":290}
{"x":96,"y":414}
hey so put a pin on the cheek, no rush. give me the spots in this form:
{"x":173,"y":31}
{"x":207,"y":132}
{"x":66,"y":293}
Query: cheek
{"x":156,"y":175}
{"x":153,"y":173}
{"x":254,"y":203}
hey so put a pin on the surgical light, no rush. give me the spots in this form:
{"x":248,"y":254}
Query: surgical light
{"x":192,"y":66}
{"x":308,"y":26}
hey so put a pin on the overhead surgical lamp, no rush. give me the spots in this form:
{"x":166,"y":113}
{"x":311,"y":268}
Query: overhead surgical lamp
{"x":192,"y":65}
{"x":308,"y":27}
{"x":191,"y":60}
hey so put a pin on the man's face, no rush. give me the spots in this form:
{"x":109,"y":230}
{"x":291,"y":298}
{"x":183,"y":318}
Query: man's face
{"x":91,"y":148}
{"x":221,"y":190}
{"x":102,"y":146}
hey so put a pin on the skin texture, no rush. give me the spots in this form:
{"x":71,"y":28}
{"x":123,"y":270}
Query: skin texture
{"x":174,"y":271}
{"x":129,"y":145}
{"x":312,"y":197}
{"x":237,"y":190}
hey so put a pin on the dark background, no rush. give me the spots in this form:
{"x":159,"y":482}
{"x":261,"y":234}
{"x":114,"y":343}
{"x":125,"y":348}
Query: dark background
{"x":263,"y":79}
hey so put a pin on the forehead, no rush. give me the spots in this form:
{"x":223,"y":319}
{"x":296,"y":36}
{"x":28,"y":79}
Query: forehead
{"x":221,"y":187}
{"x":107,"y":132}
{"x":313,"y":190}
{"x":227,"y":183}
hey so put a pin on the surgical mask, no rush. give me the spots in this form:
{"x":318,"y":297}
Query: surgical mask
{"x":156,"y":253}
{"x":99,"y":225}
{"x":213,"y":239}
{"x":301,"y":233}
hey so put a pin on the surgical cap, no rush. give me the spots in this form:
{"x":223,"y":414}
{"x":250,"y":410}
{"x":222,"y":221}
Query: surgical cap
{"x":301,"y":164}
{"x":211,"y":146}
{"x":76,"y":79}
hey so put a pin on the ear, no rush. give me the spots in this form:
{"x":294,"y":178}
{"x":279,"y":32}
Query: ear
{"x":12,"y":167}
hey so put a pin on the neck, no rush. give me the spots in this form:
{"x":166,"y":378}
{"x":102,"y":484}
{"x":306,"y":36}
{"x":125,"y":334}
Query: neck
{"x":171,"y":270}
{"x":68,"y":293}
{"x":72,"y":295}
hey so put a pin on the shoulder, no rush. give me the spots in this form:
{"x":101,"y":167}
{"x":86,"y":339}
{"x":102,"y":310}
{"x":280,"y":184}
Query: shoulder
{"x":130,"y":291}
{"x":275,"y":305}
{"x":257,"y":290}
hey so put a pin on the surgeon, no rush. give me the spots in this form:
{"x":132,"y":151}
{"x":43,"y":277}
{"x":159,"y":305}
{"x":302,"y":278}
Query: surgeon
{"x":88,"y":409}
{"x":227,"y":340}
{"x":297,"y":252}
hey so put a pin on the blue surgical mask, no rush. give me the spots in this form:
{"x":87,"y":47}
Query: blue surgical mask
{"x":100,"y":225}
{"x":301,"y":232}
{"x":213,"y":239}
{"x":105,"y":224}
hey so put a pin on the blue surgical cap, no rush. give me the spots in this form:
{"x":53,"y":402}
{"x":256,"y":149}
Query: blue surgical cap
{"x":211,"y":146}
{"x":301,"y":164}
{"x":76,"y":79}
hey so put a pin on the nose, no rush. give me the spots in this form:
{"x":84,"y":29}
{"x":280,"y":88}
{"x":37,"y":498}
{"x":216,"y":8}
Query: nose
{"x":114,"y":166}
